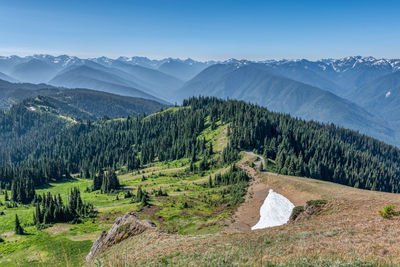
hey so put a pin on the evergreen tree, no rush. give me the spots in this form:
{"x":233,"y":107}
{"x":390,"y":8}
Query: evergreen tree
{"x":18,"y":228}
{"x":110,"y":182}
{"x":98,"y":180}
{"x":22,"y":191}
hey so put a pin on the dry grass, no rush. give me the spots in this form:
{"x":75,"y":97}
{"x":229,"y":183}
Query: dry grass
{"x":348,"y":230}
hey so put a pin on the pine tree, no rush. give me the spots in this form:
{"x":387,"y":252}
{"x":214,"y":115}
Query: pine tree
{"x":18,"y":228}
{"x":98,"y":180}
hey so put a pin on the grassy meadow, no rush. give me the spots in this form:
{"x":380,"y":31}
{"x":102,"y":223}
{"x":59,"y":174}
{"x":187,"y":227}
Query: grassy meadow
{"x":189,"y":208}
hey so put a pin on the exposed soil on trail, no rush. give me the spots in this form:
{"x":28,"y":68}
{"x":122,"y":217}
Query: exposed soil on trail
{"x":248,"y":213}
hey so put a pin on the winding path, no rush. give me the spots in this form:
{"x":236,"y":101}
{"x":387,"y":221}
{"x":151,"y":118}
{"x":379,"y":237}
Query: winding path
{"x":248,"y":213}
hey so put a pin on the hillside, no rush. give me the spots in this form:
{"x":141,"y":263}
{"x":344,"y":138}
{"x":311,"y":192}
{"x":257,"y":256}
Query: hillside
{"x":92,"y":78}
{"x":308,"y":149}
{"x":249,"y":82}
{"x":184,"y":169}
{"x":7,"y":78}
{"x":183,"y":69}
{"x":147,"y":79}
{"x":347,"y":230}
{"x":91,"y":105}
{"x":34,"y":71}
{"x":13,"y":93}
{"x":381,"y":96}
{"x":32,"y":122}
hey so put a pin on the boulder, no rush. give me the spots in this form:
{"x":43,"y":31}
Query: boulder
{"x":125,"y":226}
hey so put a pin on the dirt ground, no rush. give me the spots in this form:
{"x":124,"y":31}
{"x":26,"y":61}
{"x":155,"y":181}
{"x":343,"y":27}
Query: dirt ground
{"x":348,"y":228}
{"x":248,"y":212}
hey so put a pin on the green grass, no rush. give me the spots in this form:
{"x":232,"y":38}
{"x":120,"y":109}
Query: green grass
{"x":68,"y":244}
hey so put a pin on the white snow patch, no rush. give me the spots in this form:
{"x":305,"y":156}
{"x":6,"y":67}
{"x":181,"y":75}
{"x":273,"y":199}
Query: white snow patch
{"x":275,"y":211}
{"x":31,"y":108}
{"x":388,"y":94}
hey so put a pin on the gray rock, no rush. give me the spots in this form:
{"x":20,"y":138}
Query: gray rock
{"x":125,"y":226}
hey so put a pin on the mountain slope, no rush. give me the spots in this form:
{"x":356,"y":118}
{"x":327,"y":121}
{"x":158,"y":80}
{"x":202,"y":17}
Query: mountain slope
{"x":12,"y":93}
{"x":340,"y":76}
{"x":339,"y":234}
{"x":250,"y":83}
{"x":183,"y":70}
{"x":84,"y":76}
{"x":381,"y":96}
{"x":301,"y":71}
{"x":157,"y":82}
{"x":34,"y":71}
{"x":7,"y":78}
{"x":90,"y":104}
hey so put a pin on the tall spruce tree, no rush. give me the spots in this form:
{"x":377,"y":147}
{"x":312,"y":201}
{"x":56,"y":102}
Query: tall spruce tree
{"x":22,"y":191}
{"x":98,"y":180}
{"x":110,"y":182}
{"x":18,"y":228}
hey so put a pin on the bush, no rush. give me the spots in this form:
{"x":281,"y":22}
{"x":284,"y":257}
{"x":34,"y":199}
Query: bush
{"x":296,"y":212}
{"x":185,"y":205}
{"x":317,"y":202}
{"x":388,"y":212}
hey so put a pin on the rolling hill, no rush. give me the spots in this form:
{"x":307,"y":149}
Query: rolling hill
{"x":90,"y":104}
{"x":147,"y":79}
{"x":249,"y":82}
{"x":203,"y":207}
{"x":81,"y":103}
{"x":84,"y":76}
{"x":12,"y":93}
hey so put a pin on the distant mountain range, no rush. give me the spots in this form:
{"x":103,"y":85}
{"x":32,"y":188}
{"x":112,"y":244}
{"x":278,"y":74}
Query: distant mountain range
{"x":360,"y":93}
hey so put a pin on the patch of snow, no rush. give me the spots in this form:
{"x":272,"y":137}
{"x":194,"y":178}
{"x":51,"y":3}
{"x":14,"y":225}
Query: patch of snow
{"x":32,"y":108}
{"x":388,"y":94}
{"x":275,"y":211}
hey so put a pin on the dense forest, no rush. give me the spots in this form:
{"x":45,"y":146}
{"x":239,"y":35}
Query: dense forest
{"x":297,"y":147}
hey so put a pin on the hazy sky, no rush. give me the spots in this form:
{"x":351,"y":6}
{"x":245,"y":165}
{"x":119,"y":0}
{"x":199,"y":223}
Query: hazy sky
{"x":201,"y":29}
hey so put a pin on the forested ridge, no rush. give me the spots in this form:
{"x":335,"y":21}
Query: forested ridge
{"x":297,"y":147}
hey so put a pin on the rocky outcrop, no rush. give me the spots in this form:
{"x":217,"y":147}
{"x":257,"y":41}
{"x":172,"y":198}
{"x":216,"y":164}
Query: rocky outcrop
{"x":312,"y":207}
{"x":125,"y":226}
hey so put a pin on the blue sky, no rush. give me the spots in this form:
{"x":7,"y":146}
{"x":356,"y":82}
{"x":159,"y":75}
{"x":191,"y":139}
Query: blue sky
{"x":201,"y":29}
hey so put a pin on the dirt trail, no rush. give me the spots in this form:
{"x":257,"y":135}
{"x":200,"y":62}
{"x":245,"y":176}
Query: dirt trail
{"x":248,"y":213}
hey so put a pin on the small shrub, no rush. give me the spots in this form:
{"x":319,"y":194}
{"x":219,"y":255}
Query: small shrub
{"x":317,"y":202}
{"x":388,"y":212}
{"x":185,"y":205}
{"x":296,"y":212}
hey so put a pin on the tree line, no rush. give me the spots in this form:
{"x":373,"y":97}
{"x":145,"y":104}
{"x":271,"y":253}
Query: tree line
{"x":298,"y":147}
